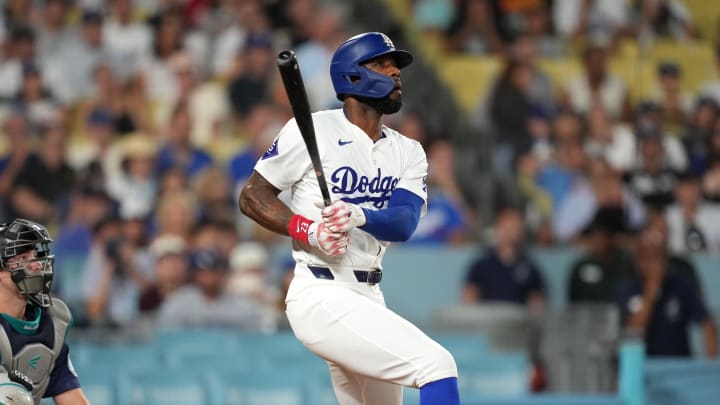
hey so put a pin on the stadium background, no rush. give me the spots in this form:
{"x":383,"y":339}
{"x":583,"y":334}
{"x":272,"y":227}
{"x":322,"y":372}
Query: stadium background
{"x":135,"y":102}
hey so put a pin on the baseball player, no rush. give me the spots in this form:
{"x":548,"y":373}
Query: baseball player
{"x":32,"y":336}
{"x":376,"y":178}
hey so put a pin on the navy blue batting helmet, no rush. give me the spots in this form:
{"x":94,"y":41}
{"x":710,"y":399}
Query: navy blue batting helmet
{"x":349,"y":77}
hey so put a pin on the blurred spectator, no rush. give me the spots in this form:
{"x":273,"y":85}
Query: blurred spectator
{"x":536,"y":23}
{"x":16,"y":131}
{"x":509,"y":107}
{"x":676,"y":105}
{"x":35,"y":101}
{"x":178,"y":150}
{"x":698,"y":134}
{"x":88,"y":206}
{"x":20,"y":51}
{"x":594,"y":20}
{"x":99,"y":153}
{"x":249,"y":265}
{"x":214,"y":192}
{"x":18,"y":12}
{"x":129,"y":42}
{"x":609,"y":140}
{"x":171,"y":268}
{"x":315,"y":55}
{"x":602,"y":187}
{"x":506,"y":273}
{"x":473,"y":29}
{"x":261,"y":126}
{"x":597,"y":86}
{"x":660,"y":303}
{"x":248,"y":18}
{"x":448,"y":219}
{"x":250,"y":87}
{"x":173,"y":180}
{"x":648,"y":118}
{"x":694,"y":224}
{"x":205,"y":302}
{"x":524,"y":50}
{"x":595,"y":276}
{"x":175,"y":214}
{"x":134,"y":187}
{"x":72,"y":67}
{"x":53,"y":31}
{"x":118,"y":269}
{"x":44,"y":181}
{"x":664,"y":19}
{"x":653,"y":177}
{"x":563,"y":173}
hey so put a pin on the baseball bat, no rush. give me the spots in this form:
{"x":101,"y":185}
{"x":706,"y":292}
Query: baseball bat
{"x":295,"y":89}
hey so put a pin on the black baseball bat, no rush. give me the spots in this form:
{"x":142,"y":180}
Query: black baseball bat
{"x":295,"y":89}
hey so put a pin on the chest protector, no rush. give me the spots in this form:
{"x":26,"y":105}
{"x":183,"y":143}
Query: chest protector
{"x":34,"y":354}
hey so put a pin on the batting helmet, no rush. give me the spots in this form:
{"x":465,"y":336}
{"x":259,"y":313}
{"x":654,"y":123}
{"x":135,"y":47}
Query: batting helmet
{"x":349,"y":77}
{"x":33,"y":275}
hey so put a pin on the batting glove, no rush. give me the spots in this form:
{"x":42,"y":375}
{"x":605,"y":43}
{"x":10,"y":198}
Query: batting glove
{"x":341,"y":216}
{"x":318,"y":235}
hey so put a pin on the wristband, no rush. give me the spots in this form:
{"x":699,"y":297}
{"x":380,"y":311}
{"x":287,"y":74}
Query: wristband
{"x":298,"y":228}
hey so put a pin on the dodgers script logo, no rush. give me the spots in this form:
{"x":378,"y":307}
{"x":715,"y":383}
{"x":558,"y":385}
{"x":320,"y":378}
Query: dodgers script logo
{"x":347,"y":181}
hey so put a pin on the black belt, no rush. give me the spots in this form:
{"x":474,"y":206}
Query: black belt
{"x":371,"y":277}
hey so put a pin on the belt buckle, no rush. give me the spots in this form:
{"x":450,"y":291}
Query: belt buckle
{"x":374,"y":277}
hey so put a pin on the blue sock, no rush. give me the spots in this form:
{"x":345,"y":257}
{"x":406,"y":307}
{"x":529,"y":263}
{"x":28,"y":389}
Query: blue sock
{"x":440,"y":392}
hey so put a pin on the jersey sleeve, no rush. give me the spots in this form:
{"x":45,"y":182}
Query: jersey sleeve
{"x":287,"y":159}
{"x":414,"y":177}
{"x":63,"y":376}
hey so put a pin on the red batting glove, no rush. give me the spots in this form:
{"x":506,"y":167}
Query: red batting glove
{"x":318,"y":235}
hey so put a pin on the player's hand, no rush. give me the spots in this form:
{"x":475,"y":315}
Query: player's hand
{"x":341,"y":216}
{"x":329,"y":242}
{"x":317,"y":234}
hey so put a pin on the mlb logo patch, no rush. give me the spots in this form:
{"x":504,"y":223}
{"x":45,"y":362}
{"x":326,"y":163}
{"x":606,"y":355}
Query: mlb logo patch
{"x":272,"y":150}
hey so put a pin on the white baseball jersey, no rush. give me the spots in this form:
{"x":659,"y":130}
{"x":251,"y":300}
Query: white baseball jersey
{"x":357,"y":170}
{"x":371,"y":351}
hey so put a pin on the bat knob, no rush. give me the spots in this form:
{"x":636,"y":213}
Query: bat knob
{"x":285,"y":57}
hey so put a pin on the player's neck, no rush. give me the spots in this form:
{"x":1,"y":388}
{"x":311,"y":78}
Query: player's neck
{"x":13,"y":306}
{"x":364,"y":117}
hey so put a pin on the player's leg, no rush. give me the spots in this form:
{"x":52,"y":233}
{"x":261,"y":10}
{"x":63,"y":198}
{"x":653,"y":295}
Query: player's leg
{"x":366,"y":338}
{"x":354,"y":389}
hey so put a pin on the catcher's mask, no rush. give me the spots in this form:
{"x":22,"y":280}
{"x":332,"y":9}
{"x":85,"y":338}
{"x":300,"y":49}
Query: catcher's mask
{"x":25,"y":253}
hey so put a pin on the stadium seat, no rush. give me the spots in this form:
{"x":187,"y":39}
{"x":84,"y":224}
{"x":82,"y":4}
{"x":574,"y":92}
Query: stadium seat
{"x":497,"y":373}
{"x":469,"y":77}
{"x":543,"y":399}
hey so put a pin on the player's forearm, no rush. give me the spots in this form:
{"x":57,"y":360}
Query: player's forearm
{"x":258,"y":200}
{"x":710,"y":338}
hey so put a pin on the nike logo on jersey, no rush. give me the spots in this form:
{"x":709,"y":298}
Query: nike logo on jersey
{"x":343,"y":143}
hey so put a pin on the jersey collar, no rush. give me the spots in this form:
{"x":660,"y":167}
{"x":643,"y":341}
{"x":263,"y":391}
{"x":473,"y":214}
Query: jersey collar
{"x":25,"y":327}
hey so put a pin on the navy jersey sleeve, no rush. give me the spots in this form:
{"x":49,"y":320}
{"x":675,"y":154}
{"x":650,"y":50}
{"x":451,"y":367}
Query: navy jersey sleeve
{"x":63,"y":377}
{"x":536,"y":282}
{"x":697,"y":311}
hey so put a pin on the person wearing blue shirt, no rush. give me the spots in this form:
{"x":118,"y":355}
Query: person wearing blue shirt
{"x":661,"y":300}
{"x":179,"y":151}
{"x":33,"y":323}
{"x":506,"y":273}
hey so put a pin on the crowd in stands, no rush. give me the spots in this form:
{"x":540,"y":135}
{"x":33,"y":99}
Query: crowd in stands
{"x":129,"y":127}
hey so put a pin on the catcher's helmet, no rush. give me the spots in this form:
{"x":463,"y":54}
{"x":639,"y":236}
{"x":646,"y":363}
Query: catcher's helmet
{"x":33,"y":276}
{"x":349,"y":77}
